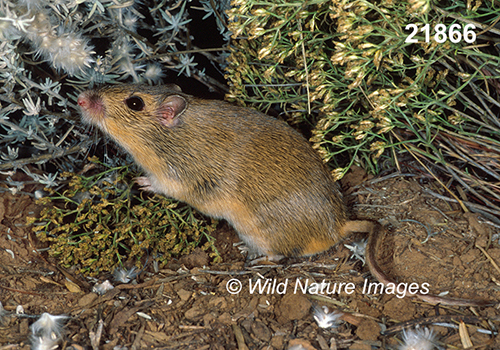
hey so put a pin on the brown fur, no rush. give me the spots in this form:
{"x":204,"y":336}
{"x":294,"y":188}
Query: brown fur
{"x":232,"y":163}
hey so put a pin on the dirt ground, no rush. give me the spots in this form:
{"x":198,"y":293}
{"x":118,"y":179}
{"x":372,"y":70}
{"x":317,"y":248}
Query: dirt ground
{"x":189,"y":306}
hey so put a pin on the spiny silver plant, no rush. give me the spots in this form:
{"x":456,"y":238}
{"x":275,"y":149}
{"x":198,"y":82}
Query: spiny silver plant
{"x":50,"y":50}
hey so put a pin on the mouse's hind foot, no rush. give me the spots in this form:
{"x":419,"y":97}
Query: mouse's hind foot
{"x":254,"y":257}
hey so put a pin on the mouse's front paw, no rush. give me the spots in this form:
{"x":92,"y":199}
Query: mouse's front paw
{"x":145,"y":184}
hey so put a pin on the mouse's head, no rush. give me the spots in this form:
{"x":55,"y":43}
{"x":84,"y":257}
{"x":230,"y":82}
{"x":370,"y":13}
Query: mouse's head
{"x":114,"y":108}
{"x":142,"y":119}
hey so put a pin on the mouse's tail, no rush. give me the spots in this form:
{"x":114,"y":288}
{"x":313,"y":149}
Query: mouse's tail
{"x":376,"y":233}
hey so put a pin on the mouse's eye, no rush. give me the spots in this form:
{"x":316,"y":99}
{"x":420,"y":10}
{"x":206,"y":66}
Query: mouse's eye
{"x":135,"y":103}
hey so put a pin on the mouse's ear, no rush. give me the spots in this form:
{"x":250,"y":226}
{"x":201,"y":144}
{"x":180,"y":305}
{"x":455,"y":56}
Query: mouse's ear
{"x":170,"y":109}
{"x":173,"y":87}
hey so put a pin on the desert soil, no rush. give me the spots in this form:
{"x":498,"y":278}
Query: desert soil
{"x":188,"y":305}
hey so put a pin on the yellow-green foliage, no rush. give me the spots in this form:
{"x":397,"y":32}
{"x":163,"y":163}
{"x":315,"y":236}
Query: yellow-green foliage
{"x":96,"y":222}
{"x":344,"y":66}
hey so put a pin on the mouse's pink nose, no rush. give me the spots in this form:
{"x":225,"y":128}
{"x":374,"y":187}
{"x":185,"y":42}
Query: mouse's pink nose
{"x":91,"y":105}
{"x":83,"y":102}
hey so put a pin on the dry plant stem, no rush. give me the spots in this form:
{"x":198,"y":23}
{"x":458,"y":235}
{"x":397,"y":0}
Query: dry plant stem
{"x":479,"y":111}
{"x":481,"y":96}
{"x":480,"y":183}
{"x":58,"y":144}
{"x":46,"y":157}
{"x":469,"y":188}
{"x":466,"y":20}
{"x":461,"y":152}
{"x":22,"y":193}
{"x":387,"y":177}
{"x":226,"y":273}
{"x":221,"y":18}
{"x":428,"y":321}
{"x":176,"y":53}
{"x":146,"y":284}
{"x":464,"y":335}
{"x":305,"y":67}
{"x":211,"y":83}
{"x":487,"y":97}
{"x":35,"y":137}
{"x":323,"y":299}
{"x":487,"y":212}
{"x":430,"y":172}
{"x":486,"y":186}
{"x":485,"y":142}
{"x":71,"y":277}
{"x":467,"y":116}
{"x":489,"y":257}
{"x":477,"y":69}
{"x":471,"y":104}
{"x":20,"y":291}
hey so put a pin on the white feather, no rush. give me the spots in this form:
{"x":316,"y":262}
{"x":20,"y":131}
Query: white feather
{"x":48,"y":326}
{"x":418,"y":339}
{"x":326,"y":319}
